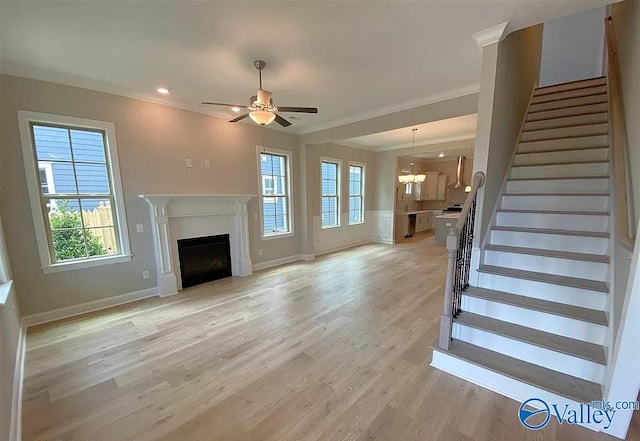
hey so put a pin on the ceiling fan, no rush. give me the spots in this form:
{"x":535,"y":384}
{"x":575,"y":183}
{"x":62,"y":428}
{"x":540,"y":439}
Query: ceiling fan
{"x":261,"y":108}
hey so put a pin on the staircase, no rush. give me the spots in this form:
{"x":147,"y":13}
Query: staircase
{"x":535,"y":326}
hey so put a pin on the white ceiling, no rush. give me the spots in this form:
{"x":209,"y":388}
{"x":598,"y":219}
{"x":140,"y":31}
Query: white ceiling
{"x":349,"y":58}
{"x":452,"y":129}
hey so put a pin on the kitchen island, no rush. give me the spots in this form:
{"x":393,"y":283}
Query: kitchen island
{"x":444,"y":223}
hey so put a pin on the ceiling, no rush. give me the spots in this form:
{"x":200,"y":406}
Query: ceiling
{"x":445,"y":130}
{"x":352,"y":59}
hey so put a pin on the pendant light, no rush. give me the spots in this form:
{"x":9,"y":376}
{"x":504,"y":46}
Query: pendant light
{"x":411,"y":178}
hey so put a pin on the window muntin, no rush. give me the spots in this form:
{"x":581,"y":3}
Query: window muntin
{"x":275,"y":189}
{"x":76,"y":195}
{"x":356,"y":194}
{"x":330,"y":188}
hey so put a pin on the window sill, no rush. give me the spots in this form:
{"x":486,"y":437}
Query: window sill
{"x":356,"y":223}
{"x":277,"y":236}
{"x":89,"y":263}
{"x":5,"y":289}
{"x":329,"y":227}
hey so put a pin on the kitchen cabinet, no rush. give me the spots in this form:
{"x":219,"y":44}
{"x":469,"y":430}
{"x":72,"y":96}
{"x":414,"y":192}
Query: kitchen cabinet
{"x":441,"y":191}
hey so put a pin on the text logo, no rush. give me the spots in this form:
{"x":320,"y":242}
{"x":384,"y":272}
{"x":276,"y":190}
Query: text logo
{"x":531,"y":419}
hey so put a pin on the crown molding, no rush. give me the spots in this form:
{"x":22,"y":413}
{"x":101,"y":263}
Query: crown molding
{"x":382,"y":111}
{"x":429,"y":142}
{"x":491,"y":35}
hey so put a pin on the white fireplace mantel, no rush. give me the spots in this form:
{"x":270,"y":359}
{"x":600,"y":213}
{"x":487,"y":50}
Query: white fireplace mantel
{"x":194,"y":215}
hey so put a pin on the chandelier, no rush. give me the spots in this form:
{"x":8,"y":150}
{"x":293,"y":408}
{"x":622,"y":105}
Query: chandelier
{"x":411,"y":178}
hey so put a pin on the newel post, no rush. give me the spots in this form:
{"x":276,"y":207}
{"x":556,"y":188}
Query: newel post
{"x":446,"y":321}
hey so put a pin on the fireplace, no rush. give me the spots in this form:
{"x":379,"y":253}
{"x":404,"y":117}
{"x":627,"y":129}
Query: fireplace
{"x":203,"y":259}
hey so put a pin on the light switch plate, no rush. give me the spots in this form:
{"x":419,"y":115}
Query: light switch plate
{"x":207,"y":164}
{"x":139,"y":228}
{"x":145,"y":274}
{"x":189,"y":163}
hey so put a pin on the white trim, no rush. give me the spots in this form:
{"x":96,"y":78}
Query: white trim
{"x":282,"y":261}
{"x":86,"y":263}
{"x":491,"y":35}
{"x":25,"y":118}
{"x":338,"y":162}
{"x":83,"y":308}
{"x":457,"y":92}
{"x":15,"y":425}
{"x":289,"y":169}
{"x":363,"y":195}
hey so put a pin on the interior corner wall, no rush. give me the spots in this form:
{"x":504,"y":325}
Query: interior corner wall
{"x":573,"y":47}
{"x":509,"y":73}
{"x":153,"y":142}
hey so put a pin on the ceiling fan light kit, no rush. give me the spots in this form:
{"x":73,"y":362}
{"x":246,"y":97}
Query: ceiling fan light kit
{"x":261,"y":110}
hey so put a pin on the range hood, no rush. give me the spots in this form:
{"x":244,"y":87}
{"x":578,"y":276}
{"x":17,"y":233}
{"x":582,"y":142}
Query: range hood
{"x":459,"y":174}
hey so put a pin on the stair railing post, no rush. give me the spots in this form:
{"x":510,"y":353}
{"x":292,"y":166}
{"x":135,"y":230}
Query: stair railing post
{"x":446,"y":321}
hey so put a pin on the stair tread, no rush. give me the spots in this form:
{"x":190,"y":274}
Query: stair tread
{"x":599,"y":258}
{"x":556,"y":382}
{"x":601,"y":80}
{"x":556,"y":178}
{"x":578,"y":213}
{"x":570,"y":346}
{"x":575,"y":149}
{"x":558,"y":194}
{"x":569,"y":126}
{"x":567,"y":112}
{"x":552,"y":231}
{"x":569,"y":94}
{"x":598,"y":97}
{"x":547,"y":306}
{"x":546,"y":164}
{"x":554,"y":279}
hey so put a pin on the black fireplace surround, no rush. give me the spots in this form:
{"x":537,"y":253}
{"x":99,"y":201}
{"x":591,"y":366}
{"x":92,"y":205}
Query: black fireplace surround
{"x":203,"y":259}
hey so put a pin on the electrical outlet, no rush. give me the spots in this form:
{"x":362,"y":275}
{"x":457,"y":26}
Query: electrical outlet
{"x":259,"y":252}
{"x":207,"y":164}
{"x":189,"y":163}
{"x":145,"y":274}
{"x":139,"y":228}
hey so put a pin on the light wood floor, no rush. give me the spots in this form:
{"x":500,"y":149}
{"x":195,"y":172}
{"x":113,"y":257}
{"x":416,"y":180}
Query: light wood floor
{"x":334,"y":349}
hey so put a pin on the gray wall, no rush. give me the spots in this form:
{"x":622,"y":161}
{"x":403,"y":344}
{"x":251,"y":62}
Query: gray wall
{"x":626,"y":25}
{"x":509,"y":73}
{"x":153,"y":143}
{"x":572,"y":47}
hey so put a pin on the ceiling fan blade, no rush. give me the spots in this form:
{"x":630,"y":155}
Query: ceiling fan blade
{"x":298,"y":109}
{"x":239,"y":118}
{"x":223,"y":104}
{"x":283,"y":122}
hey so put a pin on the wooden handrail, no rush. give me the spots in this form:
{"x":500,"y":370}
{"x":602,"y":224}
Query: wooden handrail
{"x":453,"y":242}
{"x":625,"y":233}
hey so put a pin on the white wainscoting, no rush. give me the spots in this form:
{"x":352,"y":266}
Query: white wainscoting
{"x":382,"y":228}
{"x":377,"y":227}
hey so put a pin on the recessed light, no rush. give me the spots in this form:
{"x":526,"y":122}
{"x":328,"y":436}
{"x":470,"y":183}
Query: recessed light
{"x":441,"y":155}
{"x":235,"y":109}
{"x":163,"y":90}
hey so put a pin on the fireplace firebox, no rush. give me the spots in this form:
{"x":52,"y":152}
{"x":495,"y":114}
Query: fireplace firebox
{"x":203,"y":259}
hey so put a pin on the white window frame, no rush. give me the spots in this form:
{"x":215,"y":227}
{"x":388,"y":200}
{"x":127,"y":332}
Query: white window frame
{"x":289,"y":156}
{"x":362,"y":191}
{"x":25,"y":119}
{"x":338,"y":195}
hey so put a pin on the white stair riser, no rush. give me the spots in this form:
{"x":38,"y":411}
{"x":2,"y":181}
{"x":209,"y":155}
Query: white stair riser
{"x":554,"y":221}
{"x":545,"y":291}
{"x":568,"y":364}
{"x":563,"y":156}
{"x":542,"y":171}
{"x":571,"y":102}
{"x":502,"y":384}
{"x":567,"y":143}
{"x":565,"y":132}
{"x":558,"y":242}
{"x":557,"y":203}
{"x":554,"y":324}
{"x":568,"y":112}
{"x":567,"y":94}
{"x":595,"y":118}
{"x":559,"y":186}
{"x":548,"y":265}
{"x":570,"y":86}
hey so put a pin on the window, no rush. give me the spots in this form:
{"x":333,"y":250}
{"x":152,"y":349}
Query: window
{"x":330,"y":185}
{"x":74,"y":186}
{"x":356,"y":194}
{"x":275,"y":192}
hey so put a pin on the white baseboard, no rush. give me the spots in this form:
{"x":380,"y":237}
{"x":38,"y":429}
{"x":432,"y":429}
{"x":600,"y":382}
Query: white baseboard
{"x":382,"y":239}
{"x":340,"y":246}
{"x":15,"y":427}
{"x":282,"y":261}
{"x":83,"y":308}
